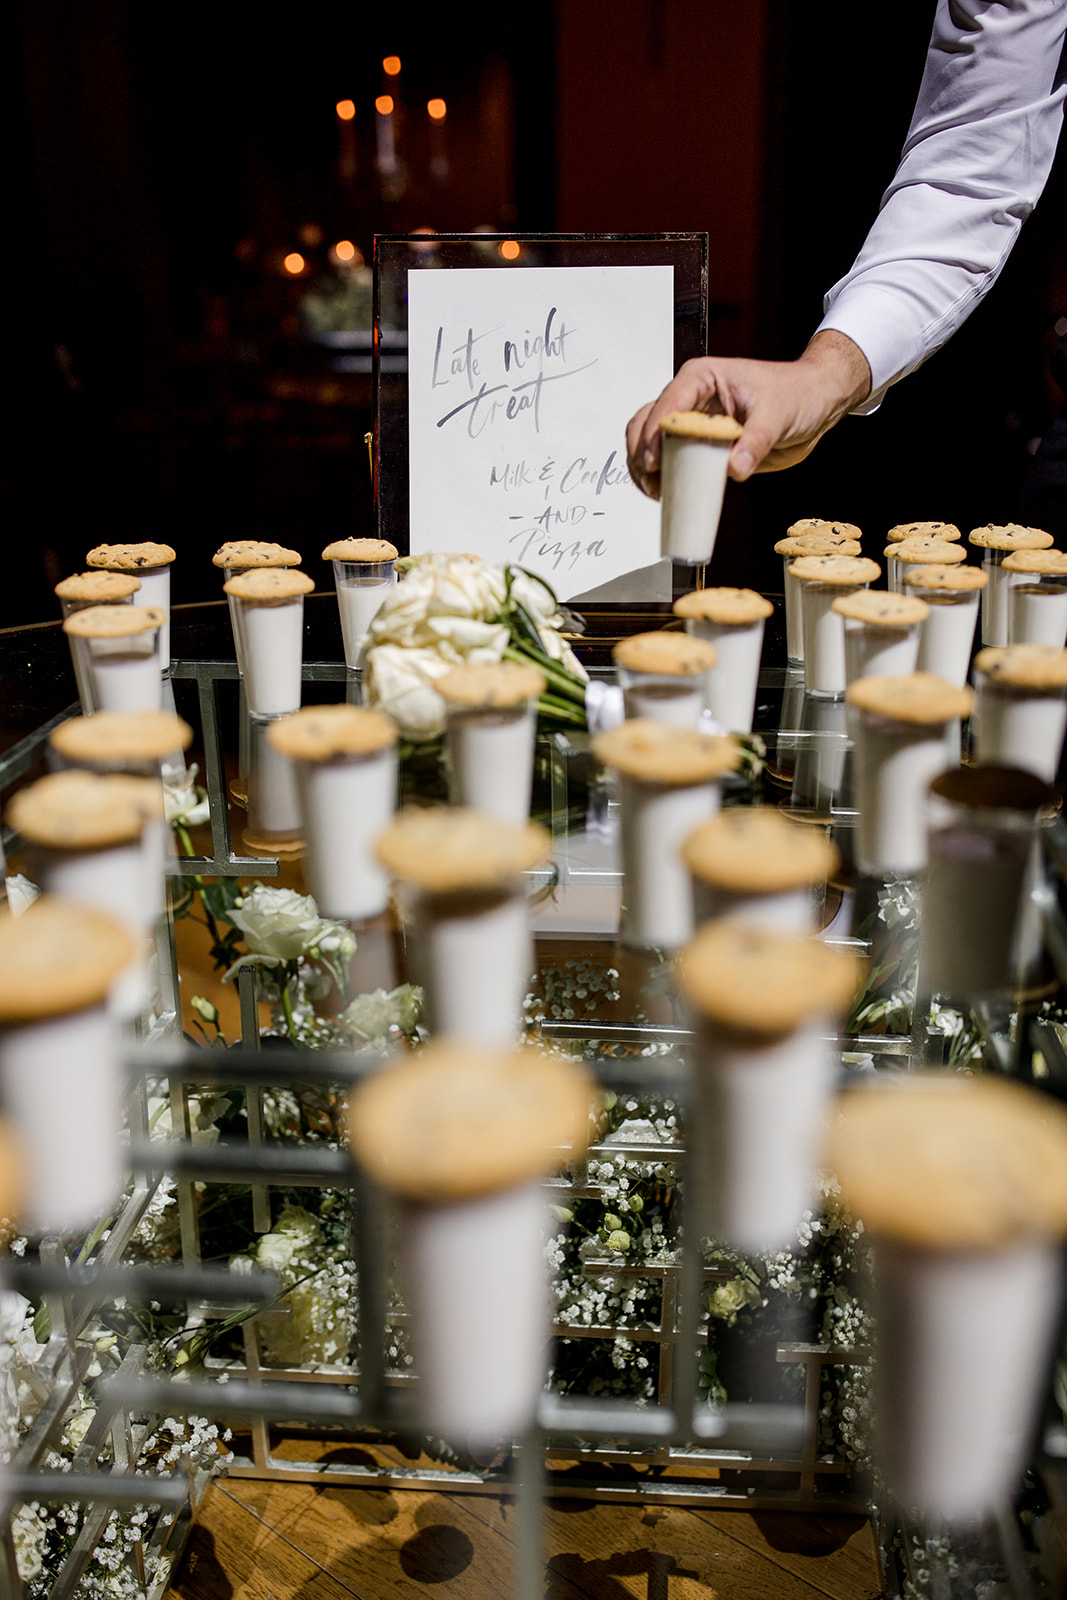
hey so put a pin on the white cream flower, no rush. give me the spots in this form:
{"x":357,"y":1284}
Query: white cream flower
{"x":400,"y":682}
{"x":728,"y":1299}
{"x":29,"y":1533}
{"x":185,"y":801}
{"x":369,"y":1017}
{"x":280,"y":924}
{"x":535,"y":597}
{"x":438,"y":585}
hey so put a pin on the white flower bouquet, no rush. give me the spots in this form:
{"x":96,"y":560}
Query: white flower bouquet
{"x":448,"y":609}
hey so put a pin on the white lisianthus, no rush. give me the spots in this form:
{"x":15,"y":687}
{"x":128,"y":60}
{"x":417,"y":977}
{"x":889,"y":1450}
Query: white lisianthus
{"x":557,"y":648}
{"x":438,"y":585}
{"x":369,"y":1017}
{"x":296,"y":1232}
{"x":728,"y":1299}
{"x":535,"y":597}
{"x":185,"y":802}
{"x":280,"y":924}
{"x":29,"y":1534}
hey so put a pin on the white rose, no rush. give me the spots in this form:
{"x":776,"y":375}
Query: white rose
{"x":730,"y":1298}
{"x":437,"y":585}
{"x":279,"y":923}
{"x":21,"y":893}
{"x":400,"y":682}
{"x":469,"y":639}
{"x":275,"y":1251}
{"x":535,"y":597}
{"x":557,"y":649}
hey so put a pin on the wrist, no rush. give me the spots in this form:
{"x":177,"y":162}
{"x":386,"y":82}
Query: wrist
{"x":842,"y":367}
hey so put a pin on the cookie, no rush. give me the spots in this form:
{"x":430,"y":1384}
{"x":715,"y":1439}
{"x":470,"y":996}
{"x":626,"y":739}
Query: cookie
{"x":814,"y":544}
{"x":848,"y":571}
{"x":490,"y":683}
{"x":1043,"y":563}
{"x":815,"y":526}
{"x":752,"y":981}
{"x":942,"y":577}
{"x":451,"y":849}
{"x":658,"y":753}
{"x":882,"y":609}
{"x":78,"y":810}
{"x":113,"y":622}
{"x":130,"y":557}
{"x":269,"y":586}
{"x":1024,"y":666}
{"x":946,"y":531}
{"x":99,"y":587}
{"x":920,"y":697}
{"x":456,"y":1121}
{"x":734,"y":607}
{"x":114,"y":736}
{"x":360,"y":550}
{"x":698,"y":425}
{"x":922,"y":551}
{"x":241,"y":554}
{"x":1009,"y":536}
{"x":754,"y":850}
{"x":56,"y":958}
{"x":331,"y":733}
{"x":673,"y":655}
{"x":950,"y":1163}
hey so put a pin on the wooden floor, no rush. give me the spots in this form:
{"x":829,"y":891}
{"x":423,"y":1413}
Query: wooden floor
{"x":285,"y":1541}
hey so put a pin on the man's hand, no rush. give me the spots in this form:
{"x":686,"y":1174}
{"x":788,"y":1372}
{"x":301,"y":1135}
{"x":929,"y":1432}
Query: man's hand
{"x":784,"y":407}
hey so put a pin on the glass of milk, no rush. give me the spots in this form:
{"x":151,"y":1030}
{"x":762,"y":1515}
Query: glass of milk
{"x":881,"y":633}
{"x":905,"y":732}
{"x":150,"y":563}
{"x":364,"y":573}
{"x":86,"y":589}
{"x":984,"y":864}
{"x":823,"y":580}
{"x":763,"y":1077}
{"x":490,"y":727}
{"x":1037,"y":596}
{"x":790,"y":549}
{"x":246,"y":555}
{"x":1020,"y":711}
{"x":664,"y":676}
{"x":731,"y":621}
{"x":116,"y":652}
{"x":275,"y":818}
{"x":668,"y":784}
{"x":947,"y":634}
{"x":695,"y":455}
{"x":995,"y":544}
{"x":751,"y":864}
{"x":271,"y":600}
{"x":900,"y":554}
{"x":61,"y":1059}
{"x":463,"y":902}
{"x":345,"y":762}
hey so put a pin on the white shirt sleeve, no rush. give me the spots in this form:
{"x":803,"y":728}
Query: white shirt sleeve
{"x":977,"y":155}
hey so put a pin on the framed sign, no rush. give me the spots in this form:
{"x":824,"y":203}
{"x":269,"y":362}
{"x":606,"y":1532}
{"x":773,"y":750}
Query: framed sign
{"x":506,"y":371}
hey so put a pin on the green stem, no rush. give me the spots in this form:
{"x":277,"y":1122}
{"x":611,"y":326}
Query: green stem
{"x":567,"y":684}
{"x":287,"y":1007}
{"x":560,"y":711}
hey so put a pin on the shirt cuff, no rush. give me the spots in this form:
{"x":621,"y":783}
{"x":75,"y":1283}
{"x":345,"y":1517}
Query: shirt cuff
{"x":878,"y":322}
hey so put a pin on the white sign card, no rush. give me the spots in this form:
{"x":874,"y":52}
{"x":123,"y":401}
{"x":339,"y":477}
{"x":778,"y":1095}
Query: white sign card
{"x":520,"y":386}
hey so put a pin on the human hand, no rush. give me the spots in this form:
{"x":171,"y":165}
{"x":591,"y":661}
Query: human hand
{"x":784,"y":407}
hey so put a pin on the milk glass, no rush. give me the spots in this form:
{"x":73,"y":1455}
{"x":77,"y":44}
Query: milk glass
{"x":657,"y":910}
{"x":895,"y":761}
{"x":361,"y":588}
{"x":947,"y":636}
{"x":345,"y":803}
{"x":271,"y":629}
{"x":121,"y":671}
{"x":274,"y":811}
{"x":692,"y":485}
{"x":732,"y":684}
{"x":1037,"y":611}
{"x":1017,"y":725}
{"x":472,"y":952}
{"x":491,"y":757}
{"x":873,"y":651}
{"x":824,"y":638}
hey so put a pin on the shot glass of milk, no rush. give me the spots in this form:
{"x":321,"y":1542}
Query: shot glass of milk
{"x":905,"y":731}
{"x":959,"y":1183}
{"x":116,"y":655}
{"x":490,"y":728}
{"x":753,"y":865}
{"x":979,"y":931}
{"x":86,"y":589}
{"x":996,"y":542}
{"x":731,"y":621}
{"x":463,"y":1138}
{"x":463,"y":901}
{"x":364,"y":572}
{"x":881,"y":633}
{"x":764,"y":1069}
{"x":664,"y":676}
{"x":271,"y":601}
{"x":150,"y":563}
{"x":814,"y":538}
{"x":946,"y":637}
{"x":918,"y":550}
{"x":345,"y":762}
{"x":823,"y":580}
{"x":275,"y":816}
{"x":246,"y":555}
{"x":668,"y":784}
{"x":1021,"y":707}
{"x":1037,"y":596}
{"x":695,"y":454}
{"x":60,"y":1058}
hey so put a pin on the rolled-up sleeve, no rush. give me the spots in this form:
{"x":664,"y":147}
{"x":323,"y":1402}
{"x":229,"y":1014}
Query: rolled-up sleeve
{"x":977,"y":156}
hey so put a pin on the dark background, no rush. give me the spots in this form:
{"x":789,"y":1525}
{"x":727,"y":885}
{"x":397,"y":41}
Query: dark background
{"x":162,"y":161}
